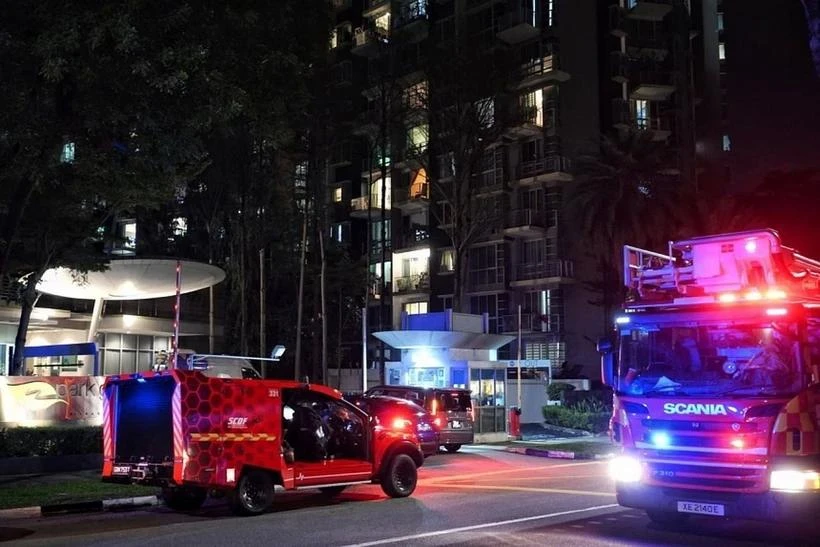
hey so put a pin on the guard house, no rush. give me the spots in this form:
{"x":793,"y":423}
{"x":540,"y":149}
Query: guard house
{"x":447,"y":349}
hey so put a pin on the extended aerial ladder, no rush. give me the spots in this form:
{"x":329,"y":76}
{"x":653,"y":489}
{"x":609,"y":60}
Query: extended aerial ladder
{"x":747,"y":265}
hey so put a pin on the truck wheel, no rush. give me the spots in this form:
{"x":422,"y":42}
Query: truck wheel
{"x":667,"y":518}
{"x":452,"y":447}
{"x":184,"y":498}
{"x":332,"y":491}
{"x":253,"y":494}
{"x":399,"y":477}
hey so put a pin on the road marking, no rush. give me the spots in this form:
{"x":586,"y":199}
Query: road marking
{"x":508,"y":470}
{"x":480,"y":526}
{"x":548,"y":478}
{"x":525,"y":489}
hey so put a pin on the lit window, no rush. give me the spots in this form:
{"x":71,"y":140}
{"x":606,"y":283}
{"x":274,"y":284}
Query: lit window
{"x":180,"y":226}
{"x":337,"y":194}
{"x":448,"y":260}
{"x":417,"y":138}
{"x":720,"y":21}
{"x":727,"y":143}
{"x":67,"y":155}
{"x":550,"y":11}
{"x":418,"y":187}
{"x":413,"y":308}
{"x":722,"y":51}
{"x":642,"y":114}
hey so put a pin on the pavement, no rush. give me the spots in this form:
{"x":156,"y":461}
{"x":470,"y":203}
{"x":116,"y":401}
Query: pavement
{"x":535,"y":440}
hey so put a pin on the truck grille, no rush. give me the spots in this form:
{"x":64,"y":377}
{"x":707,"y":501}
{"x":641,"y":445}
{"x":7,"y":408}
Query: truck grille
{"x":701,"y":454}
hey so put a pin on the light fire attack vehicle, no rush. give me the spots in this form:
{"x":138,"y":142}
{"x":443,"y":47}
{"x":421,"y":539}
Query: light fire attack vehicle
{"x":192,"y":435}
{"x":716,"y":376}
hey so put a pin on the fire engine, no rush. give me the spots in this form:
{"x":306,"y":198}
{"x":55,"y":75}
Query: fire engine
{"x":715,"y":368}
{"x":192,"y":435}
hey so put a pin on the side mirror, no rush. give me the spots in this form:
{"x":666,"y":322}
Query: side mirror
{"x":604,"y":347}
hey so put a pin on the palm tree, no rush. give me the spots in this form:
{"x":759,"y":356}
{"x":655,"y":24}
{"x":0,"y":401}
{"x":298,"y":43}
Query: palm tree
{"x":620,"y":196}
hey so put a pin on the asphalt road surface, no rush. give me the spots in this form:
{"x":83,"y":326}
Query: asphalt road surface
{"x":479,"y":496}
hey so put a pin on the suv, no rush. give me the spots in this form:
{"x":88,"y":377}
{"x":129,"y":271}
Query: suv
{"x":452,"y":409}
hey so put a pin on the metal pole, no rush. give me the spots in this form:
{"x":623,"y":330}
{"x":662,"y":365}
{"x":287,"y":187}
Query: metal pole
{"x":519,"y":357}
{"x":176,"y":316}
{"x":364,"y":349}
{"x":262,"y":341}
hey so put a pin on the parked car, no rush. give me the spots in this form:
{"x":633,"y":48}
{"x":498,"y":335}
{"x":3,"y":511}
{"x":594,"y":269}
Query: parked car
{"x":401,"y":414}
{"x":452,"y":410}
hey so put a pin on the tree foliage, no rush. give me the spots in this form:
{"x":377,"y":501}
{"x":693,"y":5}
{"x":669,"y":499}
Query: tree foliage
{"x":145,"y":95}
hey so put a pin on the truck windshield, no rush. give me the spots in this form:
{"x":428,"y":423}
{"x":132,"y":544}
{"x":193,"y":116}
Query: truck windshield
{"x":733,"y":360}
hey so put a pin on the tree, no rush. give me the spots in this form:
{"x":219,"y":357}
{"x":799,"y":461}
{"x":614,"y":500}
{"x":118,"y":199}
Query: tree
{"x":812,"y":9}
{"x":466,"y":109}
{"x":621,"y":197}
{"x":114,"y":106}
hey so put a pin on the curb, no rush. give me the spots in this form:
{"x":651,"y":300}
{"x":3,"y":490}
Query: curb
{"x":558,"y":454}
{"x":95,"y":506}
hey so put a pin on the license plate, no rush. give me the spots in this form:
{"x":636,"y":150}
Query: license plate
{"x":714,"y":509}
{"x":456,"y":424}
{"x":122,"y":470}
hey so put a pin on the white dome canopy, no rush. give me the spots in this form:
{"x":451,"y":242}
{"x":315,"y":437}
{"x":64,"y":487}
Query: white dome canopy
{"x":131,"y":279}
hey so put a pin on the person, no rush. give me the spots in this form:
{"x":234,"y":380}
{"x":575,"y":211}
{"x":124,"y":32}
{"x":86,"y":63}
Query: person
{"x":306,"y":433}
{"x":771,"y":365}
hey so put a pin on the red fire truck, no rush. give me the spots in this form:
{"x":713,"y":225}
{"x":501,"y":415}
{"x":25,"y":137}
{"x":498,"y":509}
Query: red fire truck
{"x":716,"y":377}
{"x":192,"y":435}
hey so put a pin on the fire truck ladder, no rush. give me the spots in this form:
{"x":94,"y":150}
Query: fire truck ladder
{"x":722,"y":263}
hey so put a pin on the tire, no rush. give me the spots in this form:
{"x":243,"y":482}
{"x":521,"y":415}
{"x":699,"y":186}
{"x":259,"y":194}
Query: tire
{"x":253,"y":494}
{"x":667,"y":518}
{"x":332,"y":491}
{"x":184,"y":498}
{"x":399,"y":476}
{"x":452,"y":447}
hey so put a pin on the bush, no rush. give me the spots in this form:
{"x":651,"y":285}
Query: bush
{"x":592,"y":420}
{"x":556,"y":390}
{"x":594,"y":396}
{"x":50,"y":441}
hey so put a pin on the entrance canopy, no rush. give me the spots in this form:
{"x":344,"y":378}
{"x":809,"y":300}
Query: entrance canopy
{"x":413,"y":339}
{"x":131,"y":279}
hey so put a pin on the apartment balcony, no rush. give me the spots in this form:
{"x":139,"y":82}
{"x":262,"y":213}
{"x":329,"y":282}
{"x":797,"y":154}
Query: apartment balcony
{"x":652,"y":10}
{"x":489,"y":183}
{"x":541,"y":72}
{"x":416,"y":236}
{"x":411,"y":21}
{"x":525,"y":223}
{"x":419,"y":282}
{"x":551,"y":168}
{"x":361,"y":208}
{"x":621,"y":117}
{"x":532,"y":323}
{"x":374,"y":290}
{"x":375,"y":8}
{"x":412,"y":200}
{"x":485,"y":286}
{"x":651,"y":85}
{"x":618,"y":22}
{"x":661,"y":127}
{"x":341,"y":154}
{"x":543,"y":273}
{"x":618,"y":67}
{"x":369,"y":42}
{"x":411,"y":158}
{"x":519,"y":25}
{"x":531,"y":123}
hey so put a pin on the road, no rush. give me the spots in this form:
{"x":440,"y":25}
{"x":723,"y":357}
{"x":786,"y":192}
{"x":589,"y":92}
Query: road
{"x":478,"y":497}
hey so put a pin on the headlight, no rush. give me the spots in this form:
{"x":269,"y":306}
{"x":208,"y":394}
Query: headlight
{"x":625,"y":469}
{"x":793,"y":480}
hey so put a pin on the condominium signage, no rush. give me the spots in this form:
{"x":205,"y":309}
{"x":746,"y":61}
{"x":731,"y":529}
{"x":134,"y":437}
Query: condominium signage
{"x":50,"y":400}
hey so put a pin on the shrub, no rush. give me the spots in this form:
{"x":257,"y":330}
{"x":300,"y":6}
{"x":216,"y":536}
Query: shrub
{"x":556,"y":390}
{"x":574,"y":418}
{"x":50,"y":441}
